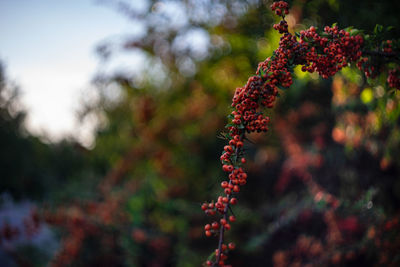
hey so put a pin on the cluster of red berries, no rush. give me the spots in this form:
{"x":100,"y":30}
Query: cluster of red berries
{"x":372,"y":70}
{"x":247,"y":101}
{"x":280,"y":8}
{"x":281,"y":27}
{"x":372,"y":66}
{"x":394,"y":78}
{"x":325,"y":53}
{"x":329,"y":54}
{"x":365,"y":65}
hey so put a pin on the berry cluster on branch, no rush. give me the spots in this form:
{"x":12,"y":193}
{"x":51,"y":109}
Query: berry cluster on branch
{"x":325,"y":53}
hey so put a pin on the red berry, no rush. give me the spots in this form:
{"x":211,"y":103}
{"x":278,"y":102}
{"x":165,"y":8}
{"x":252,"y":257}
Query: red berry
{"x":215,"y":225}
{"x":236,"y":188}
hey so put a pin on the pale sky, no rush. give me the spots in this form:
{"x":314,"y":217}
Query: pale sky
{"x":48,"y":49}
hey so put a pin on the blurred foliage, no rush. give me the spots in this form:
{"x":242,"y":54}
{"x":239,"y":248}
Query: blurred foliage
{"x":323,"y":184}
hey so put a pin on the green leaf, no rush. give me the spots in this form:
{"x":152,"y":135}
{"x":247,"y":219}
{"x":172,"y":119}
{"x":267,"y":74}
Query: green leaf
{"x":349,"y":29}
{"x":223,"y":136}
{"x":389,"y":28}
{"x":211,"y":256}
{"x":378,"y":28}
{"x":354,"y":32}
